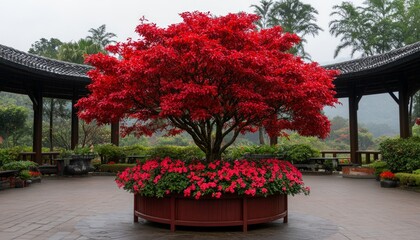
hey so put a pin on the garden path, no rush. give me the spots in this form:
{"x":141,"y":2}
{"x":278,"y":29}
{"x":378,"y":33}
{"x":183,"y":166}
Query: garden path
{"x":94,"y":208}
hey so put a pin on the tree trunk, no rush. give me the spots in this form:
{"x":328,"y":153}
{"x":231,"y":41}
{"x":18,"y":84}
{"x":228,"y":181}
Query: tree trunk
{"x":261,"y":135}
{"x":273,"y":141}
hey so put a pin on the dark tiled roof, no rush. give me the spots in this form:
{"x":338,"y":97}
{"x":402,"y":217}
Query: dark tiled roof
{"x":31,"y":62}
{"x":372,"y":63}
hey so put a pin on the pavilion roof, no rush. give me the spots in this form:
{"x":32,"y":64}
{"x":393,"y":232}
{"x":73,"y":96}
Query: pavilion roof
{"x":41,"y":65}
{"x":375,"y":63}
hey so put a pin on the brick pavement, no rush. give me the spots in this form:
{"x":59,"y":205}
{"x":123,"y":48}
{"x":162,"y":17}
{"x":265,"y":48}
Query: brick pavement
{"x":94,"y":208}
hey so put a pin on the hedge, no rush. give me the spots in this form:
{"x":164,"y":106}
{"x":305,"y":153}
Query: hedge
{"x":114,"y":168}
{"x":112,"y":153}
{"x":401,"y":155}
{"x":408,"y":179}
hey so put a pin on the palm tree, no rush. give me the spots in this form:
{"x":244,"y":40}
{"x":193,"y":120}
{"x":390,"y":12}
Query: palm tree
{"x":75,"y":51}
{"x":100,"y":36}
{"x":293,"y":16}
{"x":380,"y":15}
{"x":376,"y":27}
{"x":353,"y":28}
{"x":264,"y":11}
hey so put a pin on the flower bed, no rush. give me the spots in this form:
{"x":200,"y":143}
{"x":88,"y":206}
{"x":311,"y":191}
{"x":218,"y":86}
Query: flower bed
{"x":157,"y":183}
{"x":157,"y":178}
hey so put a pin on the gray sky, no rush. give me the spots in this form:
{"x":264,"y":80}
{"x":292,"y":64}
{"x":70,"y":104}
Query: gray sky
{"x":22,"y":22}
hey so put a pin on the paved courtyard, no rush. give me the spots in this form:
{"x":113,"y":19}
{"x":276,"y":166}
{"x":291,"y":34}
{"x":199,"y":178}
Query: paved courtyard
{"x":94,"y":208}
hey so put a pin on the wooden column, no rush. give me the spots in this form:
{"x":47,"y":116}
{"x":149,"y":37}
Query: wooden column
{"x":74,"y":122}
{"x":36,"y":98}
{"x":354,"y":141}
{"x":115,"y":133}
{"x":403,"y":102}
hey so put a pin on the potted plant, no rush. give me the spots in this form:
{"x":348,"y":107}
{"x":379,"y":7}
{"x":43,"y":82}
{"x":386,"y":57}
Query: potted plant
{"x":35,"y":176}
{"x":213,"y":78}
{"x":22,"y":179}
{"x":388,"y":179}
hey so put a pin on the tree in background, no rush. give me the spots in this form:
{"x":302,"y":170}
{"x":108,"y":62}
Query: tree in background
{"x":293,"y":16}
{"x":75,"y":52}
{"x":376,"y":27}
{"x":339,"y":137}
{"x":101,"y":37}
{"x":209,"y":76}
{"x":46,"y":48}
{"x":12,"y":124}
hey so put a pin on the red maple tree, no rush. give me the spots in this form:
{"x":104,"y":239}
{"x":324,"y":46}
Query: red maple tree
{"x":213,"y":77}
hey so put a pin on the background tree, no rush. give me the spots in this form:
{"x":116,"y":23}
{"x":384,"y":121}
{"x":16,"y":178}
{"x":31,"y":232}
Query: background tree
{"x":46,"y":48}
{"x":210,"y":77}
{"x":293,"y":16}
{"x":351,"y":26}
{"x":377,"y":26}
{"x":12,"y":122}
{"x":101,"y":37}
{"x":264,"y":11}
{"x":75,"y":52}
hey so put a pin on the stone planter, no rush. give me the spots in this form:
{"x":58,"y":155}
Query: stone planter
{"x":358,"y":172}
{"x":388,"y":183}
{"x":19,"y":183}
{"x":229,"y":210}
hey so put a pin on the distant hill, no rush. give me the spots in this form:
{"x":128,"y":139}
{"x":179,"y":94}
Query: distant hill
{"x":378,"y":113}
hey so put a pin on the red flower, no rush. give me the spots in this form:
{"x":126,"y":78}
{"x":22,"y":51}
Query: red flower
{"x":418,"y":121}
{"x":157,"y":177}
{"x":387,"y":175}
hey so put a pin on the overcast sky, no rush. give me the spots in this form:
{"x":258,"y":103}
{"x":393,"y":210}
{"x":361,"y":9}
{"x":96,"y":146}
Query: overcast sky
{"x":22,"y":22}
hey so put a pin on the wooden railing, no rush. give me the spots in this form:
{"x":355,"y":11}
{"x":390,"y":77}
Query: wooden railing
{"x":47,"y":157}
{"x":365,"y":155}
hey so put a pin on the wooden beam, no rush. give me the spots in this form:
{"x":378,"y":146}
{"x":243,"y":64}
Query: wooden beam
{"x":353,"y":107}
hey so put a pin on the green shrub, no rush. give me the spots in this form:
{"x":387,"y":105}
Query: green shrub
{"x":416,"y":171}
{"x":239,"y":152}
{"x":20,"y":165}
{"x":110,"y":153}
{"x":176,"y":152}
{"x":12,"y":154}
{"x":401,"y":155}
{"x":379,"y":166}
{"x":299,"y":152}
{"x":408,"y":179}
{"x":24,"y":175}
{"x":114,"y":168}
{"x":135,"y":150}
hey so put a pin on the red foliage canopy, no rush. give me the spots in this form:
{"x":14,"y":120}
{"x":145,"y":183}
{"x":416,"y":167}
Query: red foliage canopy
{"x":209,"y":76}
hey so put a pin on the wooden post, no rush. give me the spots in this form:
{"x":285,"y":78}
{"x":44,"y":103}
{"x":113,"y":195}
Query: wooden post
{"x":36,"y":98}
{"x":403,"y":109}
{"x":354,"y":143}
{"x":74,"y":122}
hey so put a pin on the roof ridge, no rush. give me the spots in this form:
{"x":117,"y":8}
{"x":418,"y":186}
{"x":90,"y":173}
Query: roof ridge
{"x":36,"y":62}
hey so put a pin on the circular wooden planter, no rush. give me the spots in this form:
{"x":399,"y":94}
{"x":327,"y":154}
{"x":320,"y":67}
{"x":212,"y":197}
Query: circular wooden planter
{"x":229,"y":210}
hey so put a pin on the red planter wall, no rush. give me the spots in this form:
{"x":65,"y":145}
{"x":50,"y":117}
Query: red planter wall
{"x":229,"y":210}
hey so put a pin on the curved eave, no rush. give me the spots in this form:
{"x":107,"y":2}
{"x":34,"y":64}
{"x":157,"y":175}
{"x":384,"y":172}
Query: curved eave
{"x":43,"y":67}
{"x":380,"y":73}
